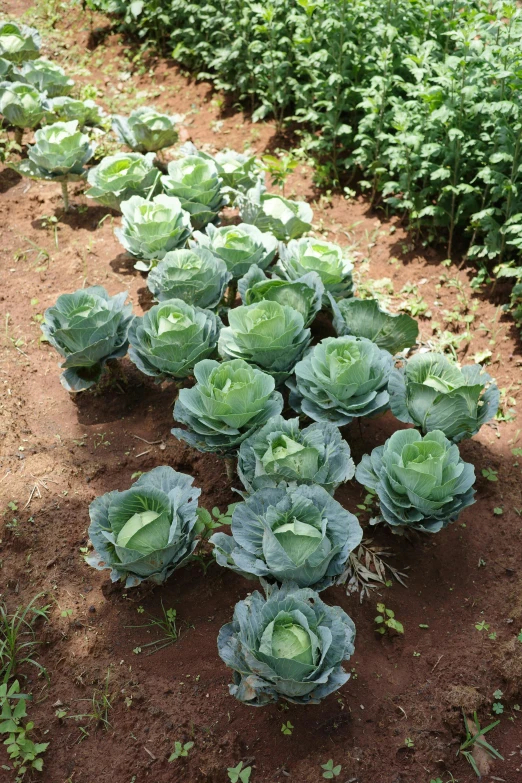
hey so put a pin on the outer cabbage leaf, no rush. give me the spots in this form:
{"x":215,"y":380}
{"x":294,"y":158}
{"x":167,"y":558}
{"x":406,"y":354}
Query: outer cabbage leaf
{"x":21,"y":104}
{"x":240,"y":247}
{"x":119,"y":177}
{"x":328,"y":260}
{"x":18,"y":42}
{"x":304,"y":294}
{"x":197,"y":184}
{"x":66,"y":109}
{"x":46,"y":77}
{"x":284,"y":218}
{"x":364,"y":318}
{"x":197,"y":276}
{"x":146,"y":129}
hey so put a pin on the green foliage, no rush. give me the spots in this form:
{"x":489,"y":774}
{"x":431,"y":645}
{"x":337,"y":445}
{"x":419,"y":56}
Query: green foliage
{"x":171,"y":338}
{"x":146,"y":129}
{"x":476,"y":737}
{"x":431,"y":392}
{"x":59,"y":153}
{"x":197,"y":184}
{"x":364,"y":318}
{"x":238,"y":246}
{"x":150,"y":228}
{"x":67,"y":109}
{"x":328,"y":260}
{"x":87,"y":328}
{"x":18,"y":42}
{"x":386,"y":620}
{"x":147,"y":531}
{"x":302,"y":535}
{"x":45,"y":76}
{"x":239,"y":773}
{"x":304,"y":294}
{"x":421,"y":482}
{"x":18,"y":643}
{"x":340,"y":379}
{"x":331,"y":770}
{"x":119,"y":177}
{"x":197,"y":276}
{"x":284,"y":218}
{"x":228,"y":403}
{"x":23,"y":752}
{"x":290,"y":645}
{"x":281,"y":452}
{"x":21,"y":104}
{"x":181,"y":750}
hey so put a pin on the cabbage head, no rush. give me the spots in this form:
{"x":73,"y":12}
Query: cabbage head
{"x":364,"y":318}
{"x":315,"y":255}
{"x":150,"y":228}
{"x":197,"y":184}
{"x":21,"y":104}
{"x":119,"y":177}
{"x":171,"y":338}
{"x":281,"y":452}
{"x":238,"y":246}
{"x":197,"y":276}
{"x":267,"y":334}
{"x":147,"y":531}
{"x":229,"y":401}
{"x":66,"y":109}
{"x":421,"y":481}
{"x":46,"y":76}
{"x":18,"y":42}
{"x":146,"y":130}
{"x":305,"y":294}
{"x":87,"y":328}
{"x":239,"y":173}
{"x":284,"y":218}
{"x":299,"y":535}
{"x":288,"y":646}
{"x":432,"y":393}
{"x":340,"y":379}
{"x":59,"y":153}
{"x":6,"y":70}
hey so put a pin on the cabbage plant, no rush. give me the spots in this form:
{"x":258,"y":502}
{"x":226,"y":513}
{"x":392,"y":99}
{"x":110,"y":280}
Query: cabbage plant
{"x":340,"y":379}
{"x":281,"y":534}
{"x":21,"y":105}
{"x":289,"y":646}
{"x":328,"y":260}
{"x":119,"y":177}
{"x":267,"y":334}
{"x":58,"y":154}
{"x":87,"y":328}
{"x":229,"y":401}
{"x":239,"y":173}
{"x":284,"y":218}
{"x":46,"y":76}
{"x":171,"y":338}
{"x":238,"y":246}
{"x":6,"y":70}
{"x":65,"y":109}
{"x":431,"y":392}
{"x":147,"y":130}
{"x":280,"y":452}
{"x":197,"y":184}
{"x":147,"y":531}
{"x":421,"y":481}
{"x":364,"y":318}
{"x":152,"y":227}
{"x":197,"y":276}
{"x":305,"y":294}
{"x":18,"y":42}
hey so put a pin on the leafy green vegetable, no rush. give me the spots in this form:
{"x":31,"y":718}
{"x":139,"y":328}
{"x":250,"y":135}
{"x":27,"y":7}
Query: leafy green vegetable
{"x":301,"y":535}
{"x":305,"y":294}
{"x":421,"y":481}
{"x":59,"y":153}
{"x":119,"y":177}
{"x":364,"y":318}
{"x":197,"y":184}
{"x":66,"y":109}
{"x":328,"y":260}
{"x":341,"y":378}
{"x":150,"y":228}
{"x":290,"y":645}
{"x":431,"y":392}
{"x":146,"y":129}
{"x":171,"y":338}
{"x":87,"y":328}
{"x":46,"y":76}
{"x":238,"y":246}
{"x":228,"y":403}
{"x":267,"y":334}
{"x":147,"y":531}
{"x":18,"y":42}
{"x":281,"y":452}
{"x":284,"y":218}
{"x":21,"y":104}
{"x":197,"y":276}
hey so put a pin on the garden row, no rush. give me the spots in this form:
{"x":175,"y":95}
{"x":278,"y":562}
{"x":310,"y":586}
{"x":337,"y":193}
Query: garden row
{"x":288,"y":531}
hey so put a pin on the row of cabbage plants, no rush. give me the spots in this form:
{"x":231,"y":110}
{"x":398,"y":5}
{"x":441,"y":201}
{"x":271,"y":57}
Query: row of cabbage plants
{"x":288,"y":531}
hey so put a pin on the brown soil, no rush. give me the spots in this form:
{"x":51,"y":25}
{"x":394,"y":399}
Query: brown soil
{"x":75,"y":448}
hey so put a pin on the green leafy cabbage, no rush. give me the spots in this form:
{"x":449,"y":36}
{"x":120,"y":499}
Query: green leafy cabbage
{"x":87,"y":328}
{"x":304,"y":294}
{"x":21,"y":104}
{"x":66,"y":109}
{"x":340,"y":379}
{"x":59,"y":153}
{"x":281,"y":452}
{"x":290,"y":645}
{"x":421,"y":482}
{"x":284,"y":218}
{"x":46,"y":76}
{"x":147,"y":531}
{"x":146,"y":129}
{"x":316,"y":255}
{"x":238,"y":246}
{"x":364,"y":318}
{"x":229,"y":401}
{"x":197,"y":276}
{"x":431,"y":392}
{"x":171,"y":338}
{"x":18,"y":42}
{"x":197,"y":184}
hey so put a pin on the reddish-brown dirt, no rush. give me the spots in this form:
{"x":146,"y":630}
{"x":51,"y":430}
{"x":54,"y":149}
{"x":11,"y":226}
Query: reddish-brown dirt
{"x":75,"y":448}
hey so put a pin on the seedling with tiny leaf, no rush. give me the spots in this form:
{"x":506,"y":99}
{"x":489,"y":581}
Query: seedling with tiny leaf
{"x":287,"y":728}
{"x":180,"y":750}
{"x":239,"y":774}
{"x":385,"y":620}
{"x":476,"y":737}
{"x":331,"y":770}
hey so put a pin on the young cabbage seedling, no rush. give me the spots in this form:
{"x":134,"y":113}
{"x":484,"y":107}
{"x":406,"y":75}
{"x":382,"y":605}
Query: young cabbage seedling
{"x":386,"y":620}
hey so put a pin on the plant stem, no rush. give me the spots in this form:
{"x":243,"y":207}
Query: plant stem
{"x":230,"y":465}
{"x":65,"y":196}
{"x":18,"y":136}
